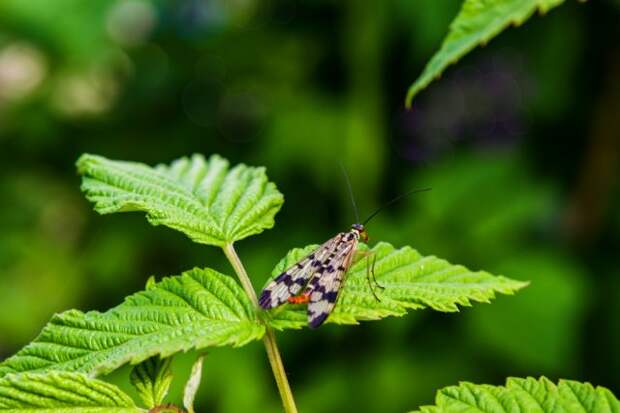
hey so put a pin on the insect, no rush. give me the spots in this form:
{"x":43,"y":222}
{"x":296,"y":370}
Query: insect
{"x":317,"y":279}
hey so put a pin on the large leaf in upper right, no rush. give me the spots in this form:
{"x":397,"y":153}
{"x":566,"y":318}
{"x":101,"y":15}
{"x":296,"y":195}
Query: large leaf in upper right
{"x":524,"y":395}
{"x":410,"y":281}
{"x":477,"y":23}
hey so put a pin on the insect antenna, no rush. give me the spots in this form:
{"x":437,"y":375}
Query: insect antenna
{"x":398,"y":198}
{"x":350,"y":188}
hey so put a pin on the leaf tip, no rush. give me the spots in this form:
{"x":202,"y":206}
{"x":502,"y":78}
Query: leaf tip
{"x":413,"y":90}
{"x":517,"y":285}
{"x":82,"y":162}
{"x":151,"y":283}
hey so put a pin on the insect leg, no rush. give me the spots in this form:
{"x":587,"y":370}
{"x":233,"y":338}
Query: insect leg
{"x":371,"y":270}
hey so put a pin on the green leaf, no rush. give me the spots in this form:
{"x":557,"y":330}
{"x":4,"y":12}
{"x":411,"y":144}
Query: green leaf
{"x":197,"y":309}
{"x":411,"y":281}
{"x":524,"y":395}
{"x":477,"y":23}
{"x":206,"y":200}
{"x":152,"y":379}
{"x":191,"y":387}
{"x":61,"y":392}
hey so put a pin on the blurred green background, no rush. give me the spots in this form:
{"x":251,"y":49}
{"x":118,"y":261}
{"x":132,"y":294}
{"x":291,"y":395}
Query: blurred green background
{"x":520,"y":142}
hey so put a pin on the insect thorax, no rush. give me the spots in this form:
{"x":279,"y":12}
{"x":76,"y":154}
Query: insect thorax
{"x":359,"y":232}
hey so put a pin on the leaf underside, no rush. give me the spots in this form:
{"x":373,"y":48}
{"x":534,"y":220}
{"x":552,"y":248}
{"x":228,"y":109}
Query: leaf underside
{"x":197,"y":309}
{"x":476,"y":24}
{"x":191,"y":387}
{"x":206,"y":200}
{"x":61,"y":392}
{"x":411,"y":281}
{"x":524,"y":395}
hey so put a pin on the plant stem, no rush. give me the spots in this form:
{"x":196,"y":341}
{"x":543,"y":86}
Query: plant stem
{"x":269,"y":339}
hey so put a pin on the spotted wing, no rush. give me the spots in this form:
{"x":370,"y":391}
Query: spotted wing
{"x":294,"y":279}
{"x":324,"y":287}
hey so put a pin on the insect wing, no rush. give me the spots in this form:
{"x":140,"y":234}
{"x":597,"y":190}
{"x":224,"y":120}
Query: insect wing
{"x":290,"y":282}
{"x":325,"y":286}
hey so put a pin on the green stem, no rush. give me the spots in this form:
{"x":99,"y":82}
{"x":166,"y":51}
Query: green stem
{"x":269,"y":339}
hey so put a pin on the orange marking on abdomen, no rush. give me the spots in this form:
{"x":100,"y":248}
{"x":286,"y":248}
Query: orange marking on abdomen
{"x":300,"y":299}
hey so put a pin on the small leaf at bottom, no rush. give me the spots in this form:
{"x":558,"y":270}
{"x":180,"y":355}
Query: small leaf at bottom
{"x":152,"y":379}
